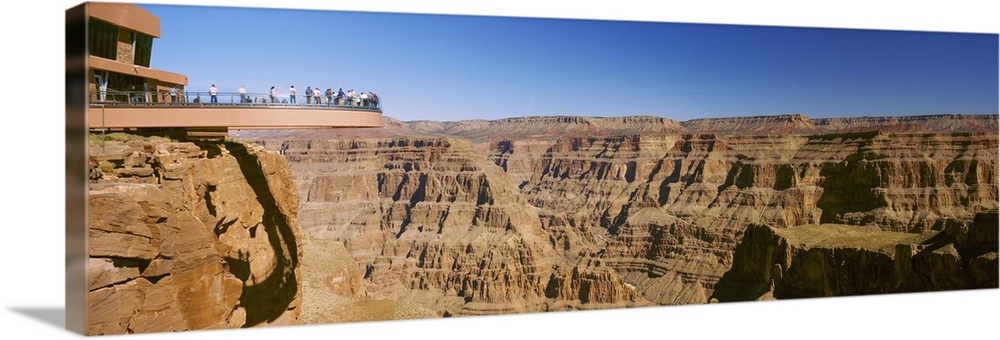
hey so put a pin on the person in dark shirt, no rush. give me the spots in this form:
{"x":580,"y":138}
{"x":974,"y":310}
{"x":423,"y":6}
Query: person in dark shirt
{"x":373,"y":98}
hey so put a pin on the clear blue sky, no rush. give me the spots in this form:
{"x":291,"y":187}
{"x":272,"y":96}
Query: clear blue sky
{"x":447,"y":67}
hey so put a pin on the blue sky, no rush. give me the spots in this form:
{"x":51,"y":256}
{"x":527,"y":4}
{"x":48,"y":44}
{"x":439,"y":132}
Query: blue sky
{"x":451,"y":67}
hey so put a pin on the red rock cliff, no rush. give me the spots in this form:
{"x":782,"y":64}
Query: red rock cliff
{"x":188,"y":236}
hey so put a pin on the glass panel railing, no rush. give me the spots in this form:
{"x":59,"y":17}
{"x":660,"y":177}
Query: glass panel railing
{"x":112,"y":98}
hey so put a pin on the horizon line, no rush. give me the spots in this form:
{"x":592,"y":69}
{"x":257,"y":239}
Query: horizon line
{"x":693,"y":119}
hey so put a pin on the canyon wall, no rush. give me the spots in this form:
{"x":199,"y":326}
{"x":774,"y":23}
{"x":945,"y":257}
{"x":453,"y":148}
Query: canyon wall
{"x":434,"y":222}
{"x":673,"y":208}
{"x":802,"y":124}
{"x":476,"y":223}
{"x":186,"y":236}
{"x":931,"y":123}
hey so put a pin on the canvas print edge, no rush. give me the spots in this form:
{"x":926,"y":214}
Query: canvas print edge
{"x":67,"y":189}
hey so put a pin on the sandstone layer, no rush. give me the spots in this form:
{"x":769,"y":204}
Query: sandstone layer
{"x":186,"y":236}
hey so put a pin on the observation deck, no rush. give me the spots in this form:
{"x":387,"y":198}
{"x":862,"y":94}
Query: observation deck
{"x":199,"y":111}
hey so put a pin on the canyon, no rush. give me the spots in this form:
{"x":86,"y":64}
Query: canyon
{"x":648,"y":210}
{"x":438,"y":219}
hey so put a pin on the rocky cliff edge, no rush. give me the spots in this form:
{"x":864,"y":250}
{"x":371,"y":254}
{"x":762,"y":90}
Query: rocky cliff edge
{"x":186,"y":236}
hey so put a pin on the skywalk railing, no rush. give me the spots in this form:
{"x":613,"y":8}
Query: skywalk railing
{"x":114,"y":98}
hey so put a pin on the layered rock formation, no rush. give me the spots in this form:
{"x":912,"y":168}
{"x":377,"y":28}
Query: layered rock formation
{"x":550,"y":128}
{"x":552,"y":213}
{"x":547,"y":127}
{"x":432,"y":221}
{"x":188,"y":236}
{"x":784,"y":124}
{"x":801,"y":124}
{"x":674,"y":205}
{"x":931,"y":123}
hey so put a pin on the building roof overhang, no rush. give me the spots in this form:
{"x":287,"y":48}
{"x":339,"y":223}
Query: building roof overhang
{"x":95,"y":62}
{"x":127,"y":16}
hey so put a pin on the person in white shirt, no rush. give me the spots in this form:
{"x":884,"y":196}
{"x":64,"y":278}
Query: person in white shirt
{"x":364,"y":99}
{"x":317,"y":95}
{"x":243,"y":94}
{"x":104,"y":90}
{"x":291,"y":94}
{"x":214,"y":92}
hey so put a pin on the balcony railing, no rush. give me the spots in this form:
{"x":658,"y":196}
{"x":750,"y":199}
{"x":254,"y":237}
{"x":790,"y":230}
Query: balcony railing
{"x":114,"y":98}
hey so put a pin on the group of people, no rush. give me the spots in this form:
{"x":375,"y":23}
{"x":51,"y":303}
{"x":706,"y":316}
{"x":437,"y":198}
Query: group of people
{"x":312,"y":96}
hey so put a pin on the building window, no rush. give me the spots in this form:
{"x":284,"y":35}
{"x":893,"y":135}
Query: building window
{"x":103,"y":39}
{"x":126,"y":88}
{"x":143,"y":49}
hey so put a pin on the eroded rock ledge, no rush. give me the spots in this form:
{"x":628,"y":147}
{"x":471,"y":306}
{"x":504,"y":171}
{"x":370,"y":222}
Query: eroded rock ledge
{"x":838,"y":260}
{"x":188,"y":236}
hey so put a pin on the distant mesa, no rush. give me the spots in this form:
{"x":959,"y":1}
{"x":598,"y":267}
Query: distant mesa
{"x":555,"y":127}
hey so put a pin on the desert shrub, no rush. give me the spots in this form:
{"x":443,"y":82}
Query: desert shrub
{"x":122,"y":137}
{"x":106,"y":167}
{"x":95,"y":138}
